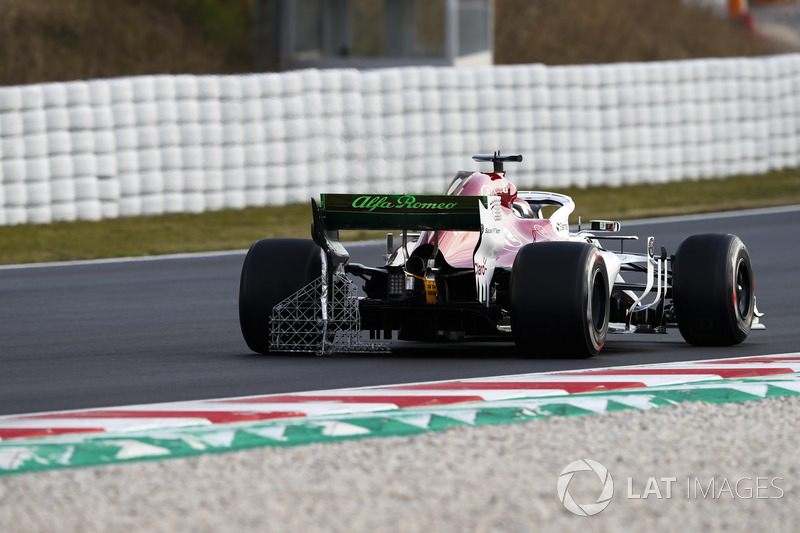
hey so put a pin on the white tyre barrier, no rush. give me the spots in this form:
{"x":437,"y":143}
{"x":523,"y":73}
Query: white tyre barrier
{"x":213,"y":157}
{"x":232,"y":134}
{"x":86,"y":188}
{"x":14,"y":170}
{"x":148,"y":137}
{"x":208,"y":88}
{"x":88,"y":210}
{"x":106,"y":166}
{"x":188,"y":111}
{"x":172,"y":143}
{"x":235,"y":199}
{"x":14,"y":215}
{"x":214,"y":201}
{"x":58,"y":143}
{"x":271,"y":109}
{"x":255,"y":155}
{"x":164,"y":88}
{"x":332,"y":105}
{"x":193,"y":182}
{"x":11,"y":99}
{"x":149,"y":160}
{"x":34,"y":121}
{"x":39,"y":214}
{"x":99,"y":93}
{"x":191,"y":134}
{"x":64,"y":211}
{"x":274,"y":130}
{"x":102,"y":118}
{"x":11,"y":124}
{"x":296,"y":129}
{"x":255,"y":180}
{"x":37,"y":169}
{"x":55,"y":95}
{"x":124,"y":114}
{"x":34,"y":146}
{"x":82,"y":142}
{"x":127,"y":161}
{"x":209,"y":112}
{"x":172,"y":159}
{"x":194,"y":203}
{"x":151,"y":182}
{"x":130,"y":185}
{"x":185,"y":87}
{"x":213,"y":182}
{"x":292,"y":106}
{"x":253,"y":133}
{"x":85,"y":165}
{"x":173,"y":181}
{"x":250,"y":86}
{"x":231,"y":112}
{"x":167,"y":112}
{"x":169,"y":135}
{"x":81,"y":118}
{"x":146,"y":113}
{"x":32,"y":97}
{"x":173,"y":203}
{"x":37,"y":194}
{"x":130,"y":206}
{"x":256,"y":197}
{"x":14,"y":194}
{"x":62,"y":190}
{"x":61,"y":166}
{"x":143,"y":89}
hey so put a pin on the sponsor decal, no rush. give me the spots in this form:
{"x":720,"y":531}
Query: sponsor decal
{"x":371,"y":203}
{"x":480,"y":270}
{"x":431,"y":291}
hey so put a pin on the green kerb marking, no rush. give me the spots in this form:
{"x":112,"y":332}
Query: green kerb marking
{"x":48,"y":453}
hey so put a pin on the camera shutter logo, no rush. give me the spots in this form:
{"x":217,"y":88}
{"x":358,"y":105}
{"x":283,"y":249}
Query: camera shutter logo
{"x":585,"y":509}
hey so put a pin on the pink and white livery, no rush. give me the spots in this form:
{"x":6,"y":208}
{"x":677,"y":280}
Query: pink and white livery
{"x":486,"y":263}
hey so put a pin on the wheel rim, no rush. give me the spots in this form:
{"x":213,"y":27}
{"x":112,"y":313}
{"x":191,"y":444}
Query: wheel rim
{"x":742,"y":292}
{"x":599,"y":302}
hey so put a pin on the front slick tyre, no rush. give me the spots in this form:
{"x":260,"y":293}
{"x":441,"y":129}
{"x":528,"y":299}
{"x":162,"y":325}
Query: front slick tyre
{"x":712,"y":290}
{"x":559,"y":299}
{"x":273,"y":270}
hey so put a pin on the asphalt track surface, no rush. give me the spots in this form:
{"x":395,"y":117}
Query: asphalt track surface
{"x":136,"y":331}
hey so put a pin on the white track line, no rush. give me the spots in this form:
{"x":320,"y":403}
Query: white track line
{"x":356,"y":244}
{"x":722,"y":214}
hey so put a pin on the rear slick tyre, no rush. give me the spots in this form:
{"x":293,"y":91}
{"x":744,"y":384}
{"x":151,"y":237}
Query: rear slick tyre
{"x":559,"y":300}
{"x":713,"y":290}
{"x":273,"y":270}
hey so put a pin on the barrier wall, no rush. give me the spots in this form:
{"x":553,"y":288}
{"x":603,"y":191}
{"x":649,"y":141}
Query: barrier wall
{"x":165,"y":144}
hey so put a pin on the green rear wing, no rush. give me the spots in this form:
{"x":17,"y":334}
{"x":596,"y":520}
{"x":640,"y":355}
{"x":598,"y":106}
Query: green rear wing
{"x":400,"y":211}
{"x":389,"y":212}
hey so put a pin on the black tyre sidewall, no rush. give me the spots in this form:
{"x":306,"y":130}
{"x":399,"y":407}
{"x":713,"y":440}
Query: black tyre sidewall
{"x":273,"y":270}
{"x":552,"y":285}
{"x":704,"y":278}
{"x":596,"y":279}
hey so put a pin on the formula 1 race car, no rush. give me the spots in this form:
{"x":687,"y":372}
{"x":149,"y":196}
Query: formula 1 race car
{"x":488,"y":264}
